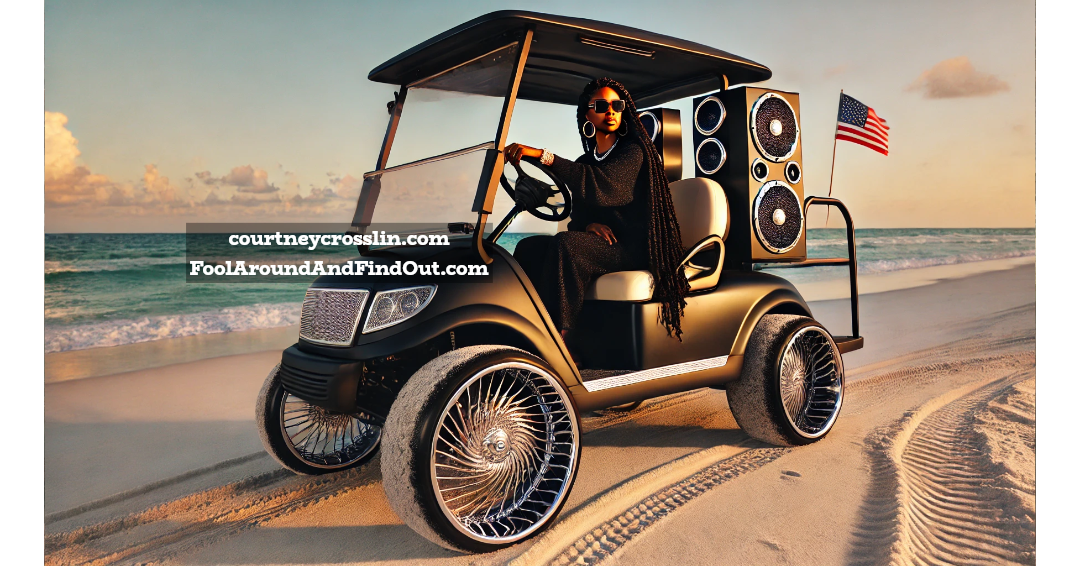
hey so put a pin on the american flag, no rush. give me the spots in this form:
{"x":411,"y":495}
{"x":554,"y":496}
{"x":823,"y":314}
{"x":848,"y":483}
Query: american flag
{"x":859,"y":123}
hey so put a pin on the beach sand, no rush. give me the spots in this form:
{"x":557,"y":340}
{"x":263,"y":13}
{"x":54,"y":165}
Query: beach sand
{"x":163,"y":464}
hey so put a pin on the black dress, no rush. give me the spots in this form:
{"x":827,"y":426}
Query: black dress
{"x":612,"y":191}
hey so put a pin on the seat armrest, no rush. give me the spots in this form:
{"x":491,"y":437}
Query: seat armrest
{"x":703,"y":277}
{"x":704,"y":244}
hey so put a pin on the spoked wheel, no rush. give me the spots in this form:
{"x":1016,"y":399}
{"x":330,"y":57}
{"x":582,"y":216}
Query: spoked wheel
{"x":811,"y":381}
{"x":481,"y":448}
{"x":308,"y":439}
{"x":792,"y":383}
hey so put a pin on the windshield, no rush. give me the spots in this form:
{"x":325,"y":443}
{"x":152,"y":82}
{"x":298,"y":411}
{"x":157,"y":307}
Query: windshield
{"x":436,"y":191}
{"x":455,"y":109}
{"x":446,"y":128}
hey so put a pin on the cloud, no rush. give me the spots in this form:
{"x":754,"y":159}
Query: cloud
{"x":66,"y":182}
{"x":956,"y":78}
{"x":244,"y":191}
{"x":248,"y":179}
{"x":836,"y":71}
{"x":206,"y":178}
{"x":158,"y":187}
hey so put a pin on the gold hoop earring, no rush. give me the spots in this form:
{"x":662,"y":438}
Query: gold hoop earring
{"x":588,"y":129}
{"x":623,"y":129}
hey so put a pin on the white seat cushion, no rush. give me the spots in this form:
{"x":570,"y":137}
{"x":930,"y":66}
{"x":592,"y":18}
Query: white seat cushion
{"x":622,"y":286}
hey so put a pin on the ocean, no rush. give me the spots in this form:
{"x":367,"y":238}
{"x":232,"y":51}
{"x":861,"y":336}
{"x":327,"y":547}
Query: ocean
{"x":113,"y":289}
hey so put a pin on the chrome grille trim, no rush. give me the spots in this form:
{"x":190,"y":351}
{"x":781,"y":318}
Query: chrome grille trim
{"x":654,"y":373}
{"x":331,"y":316}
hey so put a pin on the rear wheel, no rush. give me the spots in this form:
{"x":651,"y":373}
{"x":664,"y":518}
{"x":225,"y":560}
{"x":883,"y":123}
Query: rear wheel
{"x":792,"y":382}
{"x":308,"y":439}
{"x":481,"y":448}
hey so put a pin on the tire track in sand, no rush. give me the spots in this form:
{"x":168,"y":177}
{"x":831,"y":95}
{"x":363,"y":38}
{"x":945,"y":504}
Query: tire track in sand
{"x":179,"y":526}
{"x":603,"y":540}
{"x":932,"y":498}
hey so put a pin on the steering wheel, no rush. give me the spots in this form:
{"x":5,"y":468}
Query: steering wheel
{"x":559,"y":210}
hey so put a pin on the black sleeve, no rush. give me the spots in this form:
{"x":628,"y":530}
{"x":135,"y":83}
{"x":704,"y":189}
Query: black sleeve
{"x":611,"y":183}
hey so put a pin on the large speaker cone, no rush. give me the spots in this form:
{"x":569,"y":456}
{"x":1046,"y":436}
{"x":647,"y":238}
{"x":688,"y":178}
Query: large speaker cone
{"x":773,"y":127}
{"x":709,"y":115}
{"x":710,"y":156}
{"x":650,"y":123}
{"x":778,"y":217}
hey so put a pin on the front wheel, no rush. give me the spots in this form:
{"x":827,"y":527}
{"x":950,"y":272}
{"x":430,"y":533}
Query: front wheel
{"x":481,"y":448}
{"x":308,"y":439}
{"x":792,"y":382}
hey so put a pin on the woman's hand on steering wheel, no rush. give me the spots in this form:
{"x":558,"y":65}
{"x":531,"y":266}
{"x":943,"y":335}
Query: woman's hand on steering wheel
{"x":515,"y":151}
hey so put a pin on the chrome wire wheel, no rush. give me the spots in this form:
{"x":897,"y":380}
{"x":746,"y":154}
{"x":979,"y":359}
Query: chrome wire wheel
{"x":504,"y":452}
{"x":811,"y":381}
{"x":325,"y":439}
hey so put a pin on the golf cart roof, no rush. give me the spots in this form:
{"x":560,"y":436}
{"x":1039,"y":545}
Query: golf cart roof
{"x":567,"y":53}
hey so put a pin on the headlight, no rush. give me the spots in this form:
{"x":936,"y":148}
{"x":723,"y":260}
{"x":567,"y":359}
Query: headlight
{"x":392,"y":307}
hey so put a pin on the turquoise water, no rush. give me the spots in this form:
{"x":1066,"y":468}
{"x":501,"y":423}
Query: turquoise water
{"x":112,"y":289}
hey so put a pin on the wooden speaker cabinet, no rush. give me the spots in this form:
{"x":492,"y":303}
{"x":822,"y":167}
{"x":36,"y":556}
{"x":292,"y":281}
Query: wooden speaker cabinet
{"x":747,"y":139}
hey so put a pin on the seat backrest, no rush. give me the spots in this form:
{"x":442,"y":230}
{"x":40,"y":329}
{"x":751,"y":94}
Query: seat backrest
{"x":702,"y":209}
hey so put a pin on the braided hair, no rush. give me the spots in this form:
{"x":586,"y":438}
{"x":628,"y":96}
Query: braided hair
{"x":665,"y":240}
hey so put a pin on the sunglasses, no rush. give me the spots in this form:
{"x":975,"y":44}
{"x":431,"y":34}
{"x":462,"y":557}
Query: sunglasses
{"x":601,"y":106}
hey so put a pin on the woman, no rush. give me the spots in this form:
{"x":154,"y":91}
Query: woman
{"x":622,"y":216}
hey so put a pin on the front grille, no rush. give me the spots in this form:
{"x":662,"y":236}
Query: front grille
{"x":330,"y":316}
{"x":305,"y":384}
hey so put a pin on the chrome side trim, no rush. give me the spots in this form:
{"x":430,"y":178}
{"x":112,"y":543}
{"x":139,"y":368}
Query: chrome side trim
{"x":654,"y":373}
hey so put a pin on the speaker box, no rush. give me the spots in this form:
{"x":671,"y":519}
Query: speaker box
{"x":664,"y":126}
{"x":747,"y":140}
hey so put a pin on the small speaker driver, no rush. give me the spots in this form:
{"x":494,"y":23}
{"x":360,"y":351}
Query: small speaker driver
{"x":650,"y":123}
{"x":709,"y":115}
{"x":793,"y":172}
{"x":710,"y":156}
{"x":760,"y":170}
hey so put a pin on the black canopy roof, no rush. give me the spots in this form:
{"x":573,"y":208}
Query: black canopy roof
{"x":568,"y":52}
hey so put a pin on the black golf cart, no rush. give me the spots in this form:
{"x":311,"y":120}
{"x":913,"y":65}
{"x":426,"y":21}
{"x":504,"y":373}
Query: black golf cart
{"x":467,"y":386}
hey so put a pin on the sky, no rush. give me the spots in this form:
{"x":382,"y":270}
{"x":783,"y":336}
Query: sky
{"x":159,"y":114}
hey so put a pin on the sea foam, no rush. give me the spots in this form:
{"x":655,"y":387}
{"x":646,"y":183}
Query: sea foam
{"x":120,"y":332}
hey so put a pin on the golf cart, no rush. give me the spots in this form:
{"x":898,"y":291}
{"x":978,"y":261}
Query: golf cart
{"x":466,"y":385}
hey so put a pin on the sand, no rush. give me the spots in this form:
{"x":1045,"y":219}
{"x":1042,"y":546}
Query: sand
{"x":932,"y":460}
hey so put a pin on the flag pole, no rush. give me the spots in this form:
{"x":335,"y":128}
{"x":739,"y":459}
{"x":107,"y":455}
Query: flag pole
{"x":832,"y":168}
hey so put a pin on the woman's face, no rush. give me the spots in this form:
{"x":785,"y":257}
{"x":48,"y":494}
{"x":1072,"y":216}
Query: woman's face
{"x":608,"y":121}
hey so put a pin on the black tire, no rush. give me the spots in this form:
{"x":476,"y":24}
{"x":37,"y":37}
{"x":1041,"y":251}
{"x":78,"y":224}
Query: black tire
{"x":438,"y":414}
{"x":359,"y":438}
{"x":811,"y":382}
